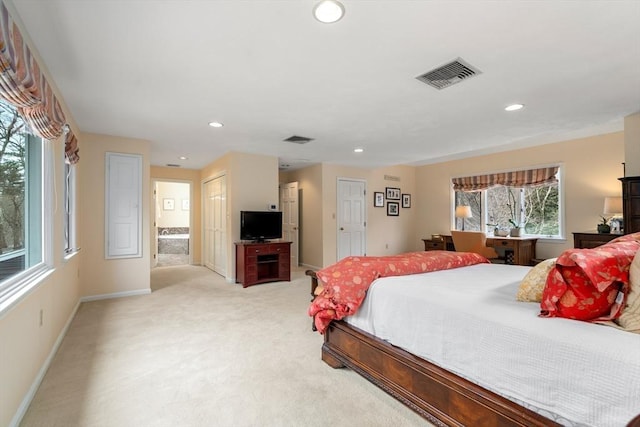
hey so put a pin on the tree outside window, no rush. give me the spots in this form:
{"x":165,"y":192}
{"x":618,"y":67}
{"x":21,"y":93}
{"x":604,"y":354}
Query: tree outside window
{"x":12,"y":180}
{"x":536,"y":209}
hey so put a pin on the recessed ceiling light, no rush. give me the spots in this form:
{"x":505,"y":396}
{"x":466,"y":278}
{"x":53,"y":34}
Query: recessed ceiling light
{"x":358,"y":150}
{"x":328,"y":11}
{"x":183,"y":158}
{"x":514,"y":107}
{"x":215,"y":124}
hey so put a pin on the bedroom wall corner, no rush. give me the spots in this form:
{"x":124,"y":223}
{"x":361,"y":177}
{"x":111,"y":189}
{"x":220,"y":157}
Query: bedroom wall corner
{"x":192,"y":176}
{"x":591,"y":173}
{"x":102,"y":277}
{"x":310,"y":212}
{"x":386,"y":235}
{"x":632,"y":144}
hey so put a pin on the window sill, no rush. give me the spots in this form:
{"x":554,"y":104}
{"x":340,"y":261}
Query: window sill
{"x":69,"y":255}
{"x":19,"y":290}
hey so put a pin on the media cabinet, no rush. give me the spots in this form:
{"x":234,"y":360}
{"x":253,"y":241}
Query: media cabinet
{"x":262,"y":262}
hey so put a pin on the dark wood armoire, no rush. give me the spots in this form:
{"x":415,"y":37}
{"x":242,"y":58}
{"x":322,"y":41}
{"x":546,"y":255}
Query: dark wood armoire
{"x":631,"y":203}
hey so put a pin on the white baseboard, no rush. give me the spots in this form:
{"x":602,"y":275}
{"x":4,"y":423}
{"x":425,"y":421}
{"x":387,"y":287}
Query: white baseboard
{"x":311,"y":267}
{"x":26,"y":401}
{"x":116,"y":295}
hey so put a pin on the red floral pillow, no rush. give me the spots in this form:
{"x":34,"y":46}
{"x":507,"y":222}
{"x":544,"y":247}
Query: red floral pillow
{"x":625,"y":238}
{"x":589,"y":284}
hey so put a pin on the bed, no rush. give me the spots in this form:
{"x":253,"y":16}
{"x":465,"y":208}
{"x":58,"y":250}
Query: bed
{"x":454,"y":385}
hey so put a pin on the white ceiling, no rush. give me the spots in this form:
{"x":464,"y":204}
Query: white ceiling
{"x":160,"y":70}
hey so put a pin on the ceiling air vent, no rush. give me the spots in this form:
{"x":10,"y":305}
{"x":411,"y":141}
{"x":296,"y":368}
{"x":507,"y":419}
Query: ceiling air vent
{"x":449,"y":74}
{"x":173,"y":165}
{"x":298,"y":139}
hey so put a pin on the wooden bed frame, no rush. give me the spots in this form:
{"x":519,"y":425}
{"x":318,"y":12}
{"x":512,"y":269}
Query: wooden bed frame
{"x":438,"y":395}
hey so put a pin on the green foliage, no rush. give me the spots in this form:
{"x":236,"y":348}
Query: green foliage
{"x":534,"y":208}
{"x":12,"y":178}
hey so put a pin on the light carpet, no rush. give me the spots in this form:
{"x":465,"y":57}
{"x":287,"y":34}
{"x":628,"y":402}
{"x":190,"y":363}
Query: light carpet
{"x":199,"y":351}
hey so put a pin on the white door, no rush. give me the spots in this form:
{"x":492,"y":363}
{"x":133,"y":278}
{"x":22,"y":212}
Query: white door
{"x":123,"y":212}
{"x":351,"y":221}
{"x":154,"y":225}
{"x":290,"y":220}
{"x":215,"y":225}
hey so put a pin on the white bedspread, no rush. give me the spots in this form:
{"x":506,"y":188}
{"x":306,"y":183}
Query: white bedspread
{"x":468,"y":321}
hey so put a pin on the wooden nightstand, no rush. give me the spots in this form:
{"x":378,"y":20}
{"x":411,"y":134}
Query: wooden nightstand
{"x":434,"y":245}
{"x":592,"y":239}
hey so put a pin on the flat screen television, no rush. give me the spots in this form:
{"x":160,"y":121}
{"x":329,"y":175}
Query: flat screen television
{"x":260,"y":225}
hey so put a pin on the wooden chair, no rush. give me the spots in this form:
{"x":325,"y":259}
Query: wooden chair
{"x":473,"y":241}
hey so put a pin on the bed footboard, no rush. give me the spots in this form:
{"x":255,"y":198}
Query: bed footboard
{"x":441,"y":397}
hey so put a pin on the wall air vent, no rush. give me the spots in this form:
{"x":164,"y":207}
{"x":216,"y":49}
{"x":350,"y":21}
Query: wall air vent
{"x":449,"y":74}
{"x":298,"y":139}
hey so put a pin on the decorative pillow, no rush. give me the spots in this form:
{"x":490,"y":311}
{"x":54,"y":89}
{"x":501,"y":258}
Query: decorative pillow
{"x":589,"y":284}
{"x":629,"y":320}
{"x":625,"y":238}
{"x":531,"y":287}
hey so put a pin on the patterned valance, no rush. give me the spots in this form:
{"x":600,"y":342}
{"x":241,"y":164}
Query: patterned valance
{"x":23,"y":85}
{"x":71,"y":149}
{"x":521,"y":178}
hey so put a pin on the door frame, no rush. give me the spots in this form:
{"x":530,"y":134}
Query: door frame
{"x":154,"y":227}
{"x":229,"y":253}
{"x":295,"y":247}
{"x":338,"y":216}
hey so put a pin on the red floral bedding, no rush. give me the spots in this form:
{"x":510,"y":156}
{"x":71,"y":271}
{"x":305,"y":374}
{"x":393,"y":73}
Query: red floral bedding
{"x":343,"y":285}
{"x":589,"y":284}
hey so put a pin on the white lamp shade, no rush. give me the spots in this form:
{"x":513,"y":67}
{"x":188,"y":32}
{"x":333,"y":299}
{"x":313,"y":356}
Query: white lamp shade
{"x":463,"y":211}
{"x":613,"y":205}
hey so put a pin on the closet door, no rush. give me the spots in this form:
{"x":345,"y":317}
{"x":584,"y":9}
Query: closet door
{"x":215,"y":225}
{"x":123,"y":205}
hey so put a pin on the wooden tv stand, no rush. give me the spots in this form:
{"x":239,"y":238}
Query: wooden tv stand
{"x":262,"y":262}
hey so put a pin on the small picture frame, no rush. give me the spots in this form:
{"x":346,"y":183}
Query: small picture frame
{"x":185,"y":204}
{"x":406,"y":200}
{"x":168,"y":204}
{"x":392,"y":193}
{"x":393,"y":208}
{"x":378,"y":199}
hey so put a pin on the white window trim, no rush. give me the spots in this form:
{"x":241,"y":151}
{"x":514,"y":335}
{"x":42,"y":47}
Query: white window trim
{"x":22,"y":284}
{"x":561,"y":237}
{"x":69,"y":252}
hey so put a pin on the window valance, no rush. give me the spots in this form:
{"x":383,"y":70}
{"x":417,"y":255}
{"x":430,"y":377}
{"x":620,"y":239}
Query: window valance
{"x":521,"y":178}
{"x":71,"y":149}
{"x":23,"y":85}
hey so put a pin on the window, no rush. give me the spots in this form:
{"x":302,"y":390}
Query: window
{"x":69,"y":209}
{"x":472,"y":199}
{"x":536,"y":208}
{"x":23,"y":227}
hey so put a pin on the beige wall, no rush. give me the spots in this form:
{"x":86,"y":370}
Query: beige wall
{"x":310,"y":213}
{"x":191,"y":176}
{"x":252,"y":184}
{"x":632,"y":144}
{"x":98,"y":275}
{"x":592,"y":167}
{"x":25,"y":344}
{"x":178,"y":192}
{"x":385,"y":234}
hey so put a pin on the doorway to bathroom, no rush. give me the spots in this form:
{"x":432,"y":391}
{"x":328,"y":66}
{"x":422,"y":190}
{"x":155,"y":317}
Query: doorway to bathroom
{"x":172,"y":223}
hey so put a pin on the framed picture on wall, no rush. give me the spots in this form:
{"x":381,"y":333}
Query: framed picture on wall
{"x":378,"y":199}
{"x":185,"y":204}
{"x":393,"y":208}
{"x":168,"y":204}
{"x":392,"y":193}
{"x":406,"y":200}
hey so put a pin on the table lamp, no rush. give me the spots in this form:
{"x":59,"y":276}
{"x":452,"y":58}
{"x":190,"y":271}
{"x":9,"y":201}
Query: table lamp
{"x":463,"y":212}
